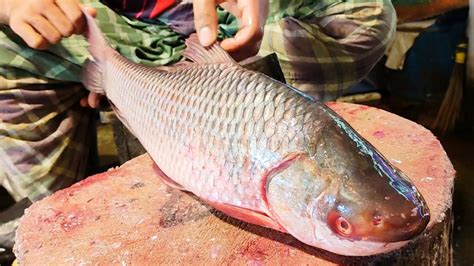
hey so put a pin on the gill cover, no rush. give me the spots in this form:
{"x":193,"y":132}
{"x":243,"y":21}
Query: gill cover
{"x":292,"y":191}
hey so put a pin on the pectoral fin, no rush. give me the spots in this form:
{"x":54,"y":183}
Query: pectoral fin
{"x":165,"y":179}
{"x":247,"y":215}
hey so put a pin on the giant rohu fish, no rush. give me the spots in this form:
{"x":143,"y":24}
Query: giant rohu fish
{"x":259,"y":150}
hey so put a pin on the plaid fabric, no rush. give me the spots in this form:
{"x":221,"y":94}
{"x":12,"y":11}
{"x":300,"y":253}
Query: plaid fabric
{"x":144,"y":43}
{"x":43,"y":138}
{"x":324,"y":46}
{"x":325,"y":51}
{"x":43,"y":130}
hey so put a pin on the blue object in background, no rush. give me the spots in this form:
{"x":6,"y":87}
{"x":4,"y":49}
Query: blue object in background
{"x":428,"y":64}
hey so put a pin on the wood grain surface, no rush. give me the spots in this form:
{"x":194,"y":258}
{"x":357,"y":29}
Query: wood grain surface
{"x":126,"y":216}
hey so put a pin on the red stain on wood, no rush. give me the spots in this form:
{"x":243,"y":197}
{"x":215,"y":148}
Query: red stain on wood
{"x":93,"y":179}
{"x":379,"y":134}
{"x":49,"y":216}
{"x":253,"y":251}
{"x":71,"y":221}
{"x":127,"y":216}
{"x":354,"y":111}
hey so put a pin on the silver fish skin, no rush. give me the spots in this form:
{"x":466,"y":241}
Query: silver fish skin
{"x":259,"y":150}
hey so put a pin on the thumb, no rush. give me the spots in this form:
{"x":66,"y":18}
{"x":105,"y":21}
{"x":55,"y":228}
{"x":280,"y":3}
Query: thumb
{"x":94,"y":99}
{"x":205,"y":20}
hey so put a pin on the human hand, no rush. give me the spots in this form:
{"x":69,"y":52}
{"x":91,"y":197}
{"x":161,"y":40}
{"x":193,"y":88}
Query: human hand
{"x":41,"y":23}
{"x":251,"y":14}
{"x":92,"y":100}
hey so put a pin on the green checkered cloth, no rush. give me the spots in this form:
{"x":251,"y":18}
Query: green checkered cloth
{"x":150,"y":44}
{"x":43,"y":130}
{"x":323,"y":46}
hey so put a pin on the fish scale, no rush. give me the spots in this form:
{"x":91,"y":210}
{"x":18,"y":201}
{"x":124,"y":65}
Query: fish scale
{"x":259,"y":150}
{"x":227,"y":140}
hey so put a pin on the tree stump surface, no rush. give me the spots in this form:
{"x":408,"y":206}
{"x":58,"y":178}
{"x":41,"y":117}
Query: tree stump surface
{"x":127,"y":216}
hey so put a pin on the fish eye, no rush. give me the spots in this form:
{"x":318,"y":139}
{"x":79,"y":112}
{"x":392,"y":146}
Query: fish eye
{"x":343,"y":226}
{"x":339,"y":224}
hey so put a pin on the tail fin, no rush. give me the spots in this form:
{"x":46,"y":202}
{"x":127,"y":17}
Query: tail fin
{"x":97,"y":42}
{"x":92,"y":70}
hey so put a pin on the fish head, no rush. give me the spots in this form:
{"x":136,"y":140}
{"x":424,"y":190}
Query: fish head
{"x":369,"y":199}
{"x":362,"y":209}
{"x":345,"y":197}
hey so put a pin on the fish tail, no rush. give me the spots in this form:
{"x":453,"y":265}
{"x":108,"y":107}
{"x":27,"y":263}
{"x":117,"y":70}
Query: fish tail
{"x":97,"y":42}
{"x":98,"y":47}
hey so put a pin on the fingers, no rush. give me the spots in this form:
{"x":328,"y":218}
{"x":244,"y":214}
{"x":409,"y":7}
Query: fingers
{"x":252,"y":15}
{"x":74,"y":14}
{"x":251,"y":30}
{"x":44,"y":27}
{"x":93,"y":100}
{"x":59,"y":20}
{"x":43,"y":22}
{"x":205,"y":20}
{"x":247,"y":39}
{"x":32,"y":38}
{"x":84,"y":103}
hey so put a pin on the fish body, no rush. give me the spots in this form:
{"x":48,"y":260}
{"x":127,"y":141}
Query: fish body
{"x":259,"y":150}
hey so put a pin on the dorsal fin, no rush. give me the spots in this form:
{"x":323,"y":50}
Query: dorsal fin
{"x":213,"y":54}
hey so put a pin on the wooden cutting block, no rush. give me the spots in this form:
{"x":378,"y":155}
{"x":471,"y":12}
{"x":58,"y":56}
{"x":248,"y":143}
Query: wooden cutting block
{"x":126,"y":216}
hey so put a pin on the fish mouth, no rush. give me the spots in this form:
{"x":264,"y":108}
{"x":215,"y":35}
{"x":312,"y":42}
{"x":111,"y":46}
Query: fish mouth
{"x":402,"y":227}
{"x":407,"y":228}
{"x":407,"y":215}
